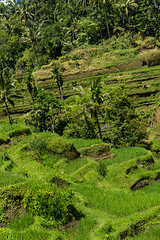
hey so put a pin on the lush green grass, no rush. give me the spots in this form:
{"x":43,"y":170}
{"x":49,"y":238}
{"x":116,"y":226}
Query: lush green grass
{"x":82,"y":230}
{"x":32,"y":234}
{"x":10,"y":127}
{"x":155,"y":188}
{"x":7,"y":178}
{"x":125,"y":154}
{"x":117,"y":202}
{"x":104,"y":201}
{"x":80,"y":143}
{"x":74,"y":165}
{"x":22,"y":222}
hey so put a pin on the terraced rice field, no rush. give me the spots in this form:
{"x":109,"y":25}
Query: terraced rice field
{"x":123,"y":203}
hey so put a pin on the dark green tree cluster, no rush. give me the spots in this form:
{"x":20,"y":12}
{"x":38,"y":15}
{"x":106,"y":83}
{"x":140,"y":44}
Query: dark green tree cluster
{"x":44,"y":109}
{"x":126,"y":127}
{"x":88,"y":112}
{"x":85,"y":114}
{"x":38,"y":31}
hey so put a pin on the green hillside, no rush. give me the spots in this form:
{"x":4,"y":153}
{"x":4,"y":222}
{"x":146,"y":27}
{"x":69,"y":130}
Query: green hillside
{"x":79,"y":120}
{"x":103,"y":193}
{"x":53,"y":187}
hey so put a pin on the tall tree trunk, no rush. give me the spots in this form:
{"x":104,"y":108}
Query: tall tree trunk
{"x":35,"y":51}
{"x":106,"y":20}
{"x":8,"y":113}
{"x":127,"y":15}
{"x":98,"y":124}
{"x":60,"y":92}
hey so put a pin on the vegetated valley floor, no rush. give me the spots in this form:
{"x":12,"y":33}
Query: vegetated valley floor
{"x":122,"y":204}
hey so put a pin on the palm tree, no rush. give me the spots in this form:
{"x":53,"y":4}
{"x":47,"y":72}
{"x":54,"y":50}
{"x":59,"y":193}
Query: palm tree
{"x":6,"y":91}
{"x":90,"y":103}
{"x":126,"y":5}
{"x":33,"y":34}
{"x":97,"y":98}
{"x":58,"y":79}
{"x":25,"y":13}
{"x":105,"y":12}
{"x":30,"y":82}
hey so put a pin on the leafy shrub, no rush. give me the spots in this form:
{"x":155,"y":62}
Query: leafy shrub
{"x":45,"y":107}
{"x":8,"y":164}
{"x":101,"y":168}
{"x":60,"y":126}
{"x":96,"y":150}
{"x":59,"y":182}
{"x":50,"y":143}
{"x":22,"y":62}
{"x":88,"y":130}
{"x":149,"y":43}
{"x":88,"y":31}
{"x":54,"y":206}
{"x":11,"y":199}
{"x":126,"y":126}
{"x":72,"y":130}
{"x":80,"y":130}
{"x":38,"y":144}
{"x":5,"y":157}
{"x":4,"y":139}
{"x":155,"y":147}
{"x":67,"y":47}
{"x":20,"y":131}
{"x":63,"y":147}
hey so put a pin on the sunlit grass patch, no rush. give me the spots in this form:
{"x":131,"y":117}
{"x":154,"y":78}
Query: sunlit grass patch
{"x":80,"y":143}
{"x":94,"y":194}
{"x":22,"y":222}
{"x":27,"y":234}
{"x":126,"y":174}
{"x":8,"y":178}
{"x":4,"y":138}
{"x":117,"y":202}
{"x":82,"y":230}
{"x":80,"y":173}
{"x":125,"y":154}
{"x":76,"y":164}
{"x":12,"y":127}
{"x":50,"y":160}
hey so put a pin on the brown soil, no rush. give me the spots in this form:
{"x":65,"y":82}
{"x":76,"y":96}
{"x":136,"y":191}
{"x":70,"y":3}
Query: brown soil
{"x":11,"y":213}
{"x":72,"y":224}
{"x":157,"y":121}
{"x":104,"y":156}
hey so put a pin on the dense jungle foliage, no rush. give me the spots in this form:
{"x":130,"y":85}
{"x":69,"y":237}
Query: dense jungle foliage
{"x":38,"y":31}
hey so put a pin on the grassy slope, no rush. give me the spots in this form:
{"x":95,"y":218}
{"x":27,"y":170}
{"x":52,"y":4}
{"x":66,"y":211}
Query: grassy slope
{"x":111,"y":209}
